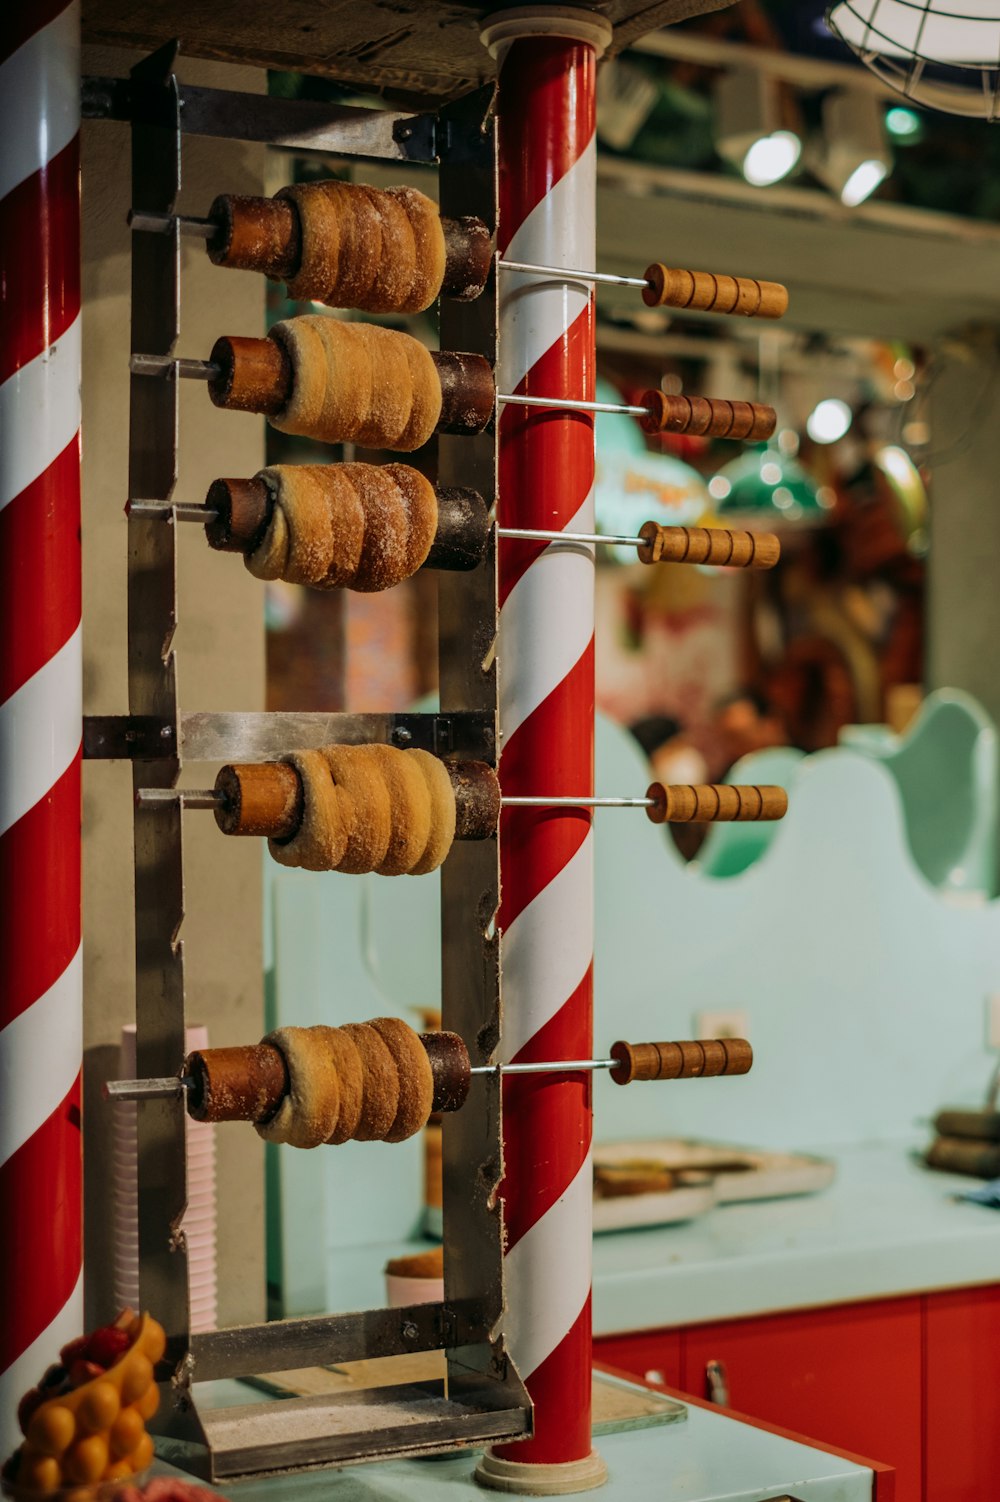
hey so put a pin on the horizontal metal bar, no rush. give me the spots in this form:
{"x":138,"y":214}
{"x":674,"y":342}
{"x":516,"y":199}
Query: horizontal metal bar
{"x":299,"y":125}
{"x":162,"y":224}
{"x":190,"y":370}
{"x":562,"y":274}
{"x":167,"y":511}
{"x":538,"y":534}
{"x":329,"y":1339}
{"x":261,"y":736}
{"x":505,"y":398}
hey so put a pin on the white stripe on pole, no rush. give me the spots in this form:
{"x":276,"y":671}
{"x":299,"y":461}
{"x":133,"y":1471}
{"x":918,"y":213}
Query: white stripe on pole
{"x":40,"y":1055}
{"x":551,"y":235}
{"x":41,"y":726}
{"x":543,"y":970}
{"x":551,"y":1272}
{"x":46,"y":71}
{"x":39,"y":413}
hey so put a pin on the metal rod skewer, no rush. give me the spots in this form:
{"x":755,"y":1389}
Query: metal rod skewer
{"x":162,"y":1089}
{"x":210,"y":798}
{"x":195,"y":511}
{"x":553,"y":1066}
{"x":565,"y":274}
{"x":191,"y":370}
{"x":570,"y":403}
{"x":164,"y":223}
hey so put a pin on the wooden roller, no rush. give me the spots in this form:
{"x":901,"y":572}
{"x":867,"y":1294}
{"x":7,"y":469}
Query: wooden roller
{"x":706,"y":417}
{"x":702,"y":1059}
{"x":255,"y":375}
{"x":265,"y":798}
{"x":701,"y":290}
{"x":243,"y":513}
{"x":714,"y":545}
{"x":265,"y":234}
{"x":248,"y":1083}
{"x":715,"y":804}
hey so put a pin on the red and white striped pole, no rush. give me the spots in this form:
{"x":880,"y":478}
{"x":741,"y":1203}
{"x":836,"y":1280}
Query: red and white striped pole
{"x":548,"y":59}
{"x":41,"y":1297}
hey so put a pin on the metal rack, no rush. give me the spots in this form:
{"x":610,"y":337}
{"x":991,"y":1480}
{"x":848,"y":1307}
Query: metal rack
{"x":484,"y":1399}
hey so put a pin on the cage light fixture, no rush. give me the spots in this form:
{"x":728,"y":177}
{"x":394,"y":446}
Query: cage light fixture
{"x":855,"y":156}
{"x":748,"y":127}
{"x":944,"y":54}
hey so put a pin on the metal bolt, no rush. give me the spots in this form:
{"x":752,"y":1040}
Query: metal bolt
{"x":409,"y":1330}
{"x":167,"y":732}
{"x":401,"y":736}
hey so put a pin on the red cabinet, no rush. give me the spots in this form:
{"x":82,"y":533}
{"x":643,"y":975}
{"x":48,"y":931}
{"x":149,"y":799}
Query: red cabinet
{"x":962,"y":1344}
{"x":913,"y":1382}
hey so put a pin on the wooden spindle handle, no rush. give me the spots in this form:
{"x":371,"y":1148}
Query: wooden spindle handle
{"x":669,"y":287}
{"x":714,"y":545}
{"x":701,"y":1059}
{"x":715,"y":803}
{"x":266,"y":799}
{"x":706,"y":417}
{"x":249,"y":1082}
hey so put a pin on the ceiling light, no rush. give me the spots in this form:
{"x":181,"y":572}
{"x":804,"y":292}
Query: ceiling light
{"x":829,"y":420}
{"x":855,"y":157}
{"x":749,"y":130}
{"x":935,"y":52}
{"x":904,"y":125}
{"x":767,"y":489}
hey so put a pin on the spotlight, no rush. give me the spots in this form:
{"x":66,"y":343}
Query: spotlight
{"x":855,"y":157}
{"x":748,"y":127}
{"x":829,"y":420}
{"x":936,"y":52}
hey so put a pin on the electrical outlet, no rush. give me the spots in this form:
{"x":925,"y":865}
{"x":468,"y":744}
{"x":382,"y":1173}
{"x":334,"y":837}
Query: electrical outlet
{"x":993,"y":1020}
{"x":733,"y":1024}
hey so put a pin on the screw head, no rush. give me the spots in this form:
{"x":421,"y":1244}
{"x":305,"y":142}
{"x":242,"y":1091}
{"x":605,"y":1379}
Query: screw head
{"x":401,"y":736}
{"x":409,"y":1330}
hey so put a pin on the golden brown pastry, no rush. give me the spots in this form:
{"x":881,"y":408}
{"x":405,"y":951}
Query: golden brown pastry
{"x":308,"y":1114}
{"x":416,"y":1082}
{"x":380,"y":1091}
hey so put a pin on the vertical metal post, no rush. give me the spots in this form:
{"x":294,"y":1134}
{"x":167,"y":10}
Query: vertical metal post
{"x":152,"y":620}
{"x":41,"y":1025}
{"x":548,"y":57}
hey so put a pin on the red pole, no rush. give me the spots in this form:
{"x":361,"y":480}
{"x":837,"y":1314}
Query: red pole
{"x":546,"y":668}
{"x":41,"y":1303}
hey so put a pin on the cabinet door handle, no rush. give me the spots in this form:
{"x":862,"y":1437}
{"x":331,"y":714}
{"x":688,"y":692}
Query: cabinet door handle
{"x":717,"y":1383}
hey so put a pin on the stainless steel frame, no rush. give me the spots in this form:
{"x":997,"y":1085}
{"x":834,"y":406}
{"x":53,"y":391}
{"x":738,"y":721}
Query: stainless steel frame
{"x":484,"y":1398}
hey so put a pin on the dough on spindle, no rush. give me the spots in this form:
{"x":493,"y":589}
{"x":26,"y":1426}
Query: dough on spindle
{"x":299,"y":542}
{"x":384,"y":551}
{"x":364,"y":802}
{"x":380,"y":1092}
{"x":410,"y":810}
{"x":347,"y":517}
{"x":416,"y":1080}
{"x":429,"y":248}
{"x":308,"y":1114}
{"x":442,"y":795}
{"x":320,"y":842}
{"x":351,"y":1074}
{"x":356,"y":382}
{"x":378,"y":249}
{"x":420,"y":503}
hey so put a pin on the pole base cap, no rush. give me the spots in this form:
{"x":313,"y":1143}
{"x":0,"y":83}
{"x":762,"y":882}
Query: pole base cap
{"x":557,"y":1480}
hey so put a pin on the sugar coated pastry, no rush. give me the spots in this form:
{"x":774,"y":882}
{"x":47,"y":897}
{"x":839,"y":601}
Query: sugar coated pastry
{"x":370,"y":808}
{"x":359,"y":526}
{"x":308,"y":1114}
{"x":357,"y":383}
{"x":380,"y":1091}
{"x":379,"y":249}
{"x":416,"y":1082}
